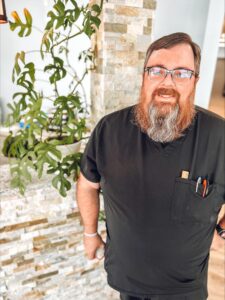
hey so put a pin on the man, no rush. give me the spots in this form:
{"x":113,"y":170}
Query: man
{"x":160,"y":165}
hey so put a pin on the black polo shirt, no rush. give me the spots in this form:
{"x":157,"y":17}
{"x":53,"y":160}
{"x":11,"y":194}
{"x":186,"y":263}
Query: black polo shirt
{"x":159,"y":230}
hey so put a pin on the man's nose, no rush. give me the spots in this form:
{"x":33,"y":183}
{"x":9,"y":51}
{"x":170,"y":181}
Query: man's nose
{"x":168,"y":79}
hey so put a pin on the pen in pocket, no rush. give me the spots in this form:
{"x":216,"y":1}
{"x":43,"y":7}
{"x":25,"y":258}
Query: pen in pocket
{"x":199,"y":181}
{"x":205,"y":187}
{"x":202,"y":186}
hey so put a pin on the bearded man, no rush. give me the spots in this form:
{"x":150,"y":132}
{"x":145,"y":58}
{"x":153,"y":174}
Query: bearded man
{"x":160,"y":165}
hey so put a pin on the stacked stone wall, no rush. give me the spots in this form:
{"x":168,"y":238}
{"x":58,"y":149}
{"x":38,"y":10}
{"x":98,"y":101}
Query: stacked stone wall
{"x":124,"y":36}
{"x":41,"y":249}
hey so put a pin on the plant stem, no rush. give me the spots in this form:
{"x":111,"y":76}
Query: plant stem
{"x":74,"y":75}
{"x":55,"y":84}
{"x":79,"y":81}
{"x":49,"y":98}
{"x":34,"y":51}
{"x":36,"y":28}
{"x":67,"y":38}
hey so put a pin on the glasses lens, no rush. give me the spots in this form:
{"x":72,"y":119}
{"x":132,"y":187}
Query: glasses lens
{"x":182,"y":74}
{"x":156,"y":73}
{"x":178,"y":75}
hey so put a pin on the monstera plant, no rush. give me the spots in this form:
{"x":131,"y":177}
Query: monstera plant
{"x":35,"y":146}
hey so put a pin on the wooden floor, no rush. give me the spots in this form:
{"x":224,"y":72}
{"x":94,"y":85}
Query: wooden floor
{"x":216,"y":278}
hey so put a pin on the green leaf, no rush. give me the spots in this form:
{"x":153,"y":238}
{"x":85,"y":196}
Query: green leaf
{"x":60,"y":22}
{"x":24,"y":28}
{"x":6,"y":145}
{"x":47,"y":40}
{"x":57,"y":17}
{"x":15,"y":115}
{"x":64,"y":141}
{"x":17,"y":146}
{"x":91,"y":21}
{"x":96,"y":21}
{"x":26,"y":80}
{"x":26,"y":174}
{"x":28,"y":17}
{"x":73,"y":164}
{"x":20,"y":173}
{"x":88,"y":29}
{"x":57,"y":68}
{"x":20,"y":56}
{"x":27,"y":96}
{"x":46,"y":154}
{"x":60,"y":7}
{"x":96,"y":8}
{"x":61,"y":184}
{"x":16,"y":182}
{"x":76,"y":14}
{"x":73,"y":14}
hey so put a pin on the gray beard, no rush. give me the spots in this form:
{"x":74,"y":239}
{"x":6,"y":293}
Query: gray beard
{"x":163,"y":129}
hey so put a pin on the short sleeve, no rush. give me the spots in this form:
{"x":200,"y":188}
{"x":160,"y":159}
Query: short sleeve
{"x":88,"y":165}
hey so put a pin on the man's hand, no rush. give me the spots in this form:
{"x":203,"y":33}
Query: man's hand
{"x":88,"y":203}
{"x":92,"y":244}
{"x":217,"y":242}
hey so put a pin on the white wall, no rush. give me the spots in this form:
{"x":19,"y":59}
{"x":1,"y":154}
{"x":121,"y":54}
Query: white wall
{"x":210,"y":51}
{"x":10,"y":44}
{"x":203,"y":20}
{"x":188,"y":16}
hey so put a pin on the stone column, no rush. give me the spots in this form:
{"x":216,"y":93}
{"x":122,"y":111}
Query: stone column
{"x":121,"y":43}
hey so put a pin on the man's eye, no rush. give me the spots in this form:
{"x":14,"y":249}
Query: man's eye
{"x":182,"y":74}
{"x":157,"y":72}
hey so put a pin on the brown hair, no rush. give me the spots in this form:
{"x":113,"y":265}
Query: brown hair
{"x":174,"y":39}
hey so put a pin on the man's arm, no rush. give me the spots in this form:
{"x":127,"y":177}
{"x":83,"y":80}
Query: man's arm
{"x":88,"y":202}
{"x":222,"y":221}
{"x":218,"y":242}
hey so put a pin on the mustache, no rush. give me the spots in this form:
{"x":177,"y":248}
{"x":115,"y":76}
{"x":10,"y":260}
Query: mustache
{"x":166,"y":91}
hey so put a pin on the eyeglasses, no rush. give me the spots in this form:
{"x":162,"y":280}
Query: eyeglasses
{"x":179,"y":75}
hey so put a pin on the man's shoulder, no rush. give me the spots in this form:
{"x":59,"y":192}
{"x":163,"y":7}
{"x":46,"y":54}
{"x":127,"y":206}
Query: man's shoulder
{"x":119,"y":116}
{"x":210,"y":118}
{"x":116,"y":120}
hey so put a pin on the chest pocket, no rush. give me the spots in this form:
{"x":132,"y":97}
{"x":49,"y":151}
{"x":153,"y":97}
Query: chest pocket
{"x":189,"y":206}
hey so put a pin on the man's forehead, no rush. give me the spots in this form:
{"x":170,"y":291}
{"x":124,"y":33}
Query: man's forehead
{"x":180,"y":55}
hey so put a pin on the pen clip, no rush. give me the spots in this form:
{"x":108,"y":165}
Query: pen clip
{"x":205,"y":187}
{"x":199,"y":180}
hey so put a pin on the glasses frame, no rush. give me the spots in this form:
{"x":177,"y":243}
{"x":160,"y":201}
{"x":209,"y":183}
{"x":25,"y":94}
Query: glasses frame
{"x":193,"y":73}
